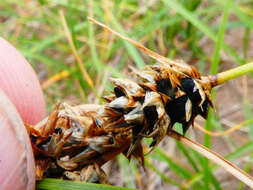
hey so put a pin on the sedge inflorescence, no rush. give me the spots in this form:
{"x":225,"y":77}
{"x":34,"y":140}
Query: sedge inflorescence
{"x":163,"y":96}
{"x":75,"y":142}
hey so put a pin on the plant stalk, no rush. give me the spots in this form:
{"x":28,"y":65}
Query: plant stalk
{"x":225,"y":76}
{"x":216,"y":158}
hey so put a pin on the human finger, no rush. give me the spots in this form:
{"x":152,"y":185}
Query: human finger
{"x":17,"y":167}
{"x":20,"y":83}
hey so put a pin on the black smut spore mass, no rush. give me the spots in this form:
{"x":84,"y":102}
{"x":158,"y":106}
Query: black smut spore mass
{"x":47,"y":140}
{"x":151,"y":116}
{"x":135,"y":131}
{"x":204,"y":111}
{"x":164,"y":86}
{"x":187,"y":85}
{"x":176,"y":109}
{"x":118,"y":92}
{"x":153,"y":143}
{"x":58,"y":130}
{"x":56,"y":172}
{"x":33,"y":139}
{"x":186,"y":126}
{"x":139,"y":99}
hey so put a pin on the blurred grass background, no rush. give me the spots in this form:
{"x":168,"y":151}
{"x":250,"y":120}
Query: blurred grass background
{"x":210,"y":34}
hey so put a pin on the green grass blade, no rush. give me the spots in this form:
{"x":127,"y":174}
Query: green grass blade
{"x":219,"y":127}
{"x":239,"y":12}
{"x":41,"y":45}
{"x":130,"y":48}
{"x":188,"y":156}
{"x":165,"y":178}
{"x":126,"y":171}
{"x":180,"y":171}
{"x":214,"y":68}
{"x":249,"y":115}
{"x":246,"y":40}
{"x":220,"y":39}
{"x":95,"y":58}
{"x":246,"y":169}
{"x":215,"y":182}
{"x":58,"y":184}
{"x":236,"y":154}
{"x":191,"y":17}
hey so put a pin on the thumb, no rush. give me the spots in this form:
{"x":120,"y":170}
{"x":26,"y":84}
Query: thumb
{"x":17,"y":169}
{"x":20,"y":83}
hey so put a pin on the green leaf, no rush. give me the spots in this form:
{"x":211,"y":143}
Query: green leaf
{"x":236,"y":154}
{"x":165,"y":178}
{"x":130,"y":48}
{"x":125,"y":170}
{"x":191,"y":17}
{"x":180,"y":171}
{"x":58,"y":184}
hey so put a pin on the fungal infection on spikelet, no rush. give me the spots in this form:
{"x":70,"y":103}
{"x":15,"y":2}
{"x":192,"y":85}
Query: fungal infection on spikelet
{"x":74,"y":142}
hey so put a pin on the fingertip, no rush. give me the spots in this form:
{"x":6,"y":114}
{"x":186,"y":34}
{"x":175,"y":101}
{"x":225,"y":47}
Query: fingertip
{"x":17,"y":167}
{"x":20,"y":83}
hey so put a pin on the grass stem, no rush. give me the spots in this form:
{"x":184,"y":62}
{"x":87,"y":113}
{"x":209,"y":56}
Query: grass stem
{"x":225,"y":76}
{"x":211,"y":155}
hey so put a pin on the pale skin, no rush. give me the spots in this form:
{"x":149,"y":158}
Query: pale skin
{"x":21,"y":101}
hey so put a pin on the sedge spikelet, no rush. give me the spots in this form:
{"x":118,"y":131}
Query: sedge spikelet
{"x":75,"y":141}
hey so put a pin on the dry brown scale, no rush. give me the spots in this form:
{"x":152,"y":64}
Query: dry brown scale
{"x":76,"y":141}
